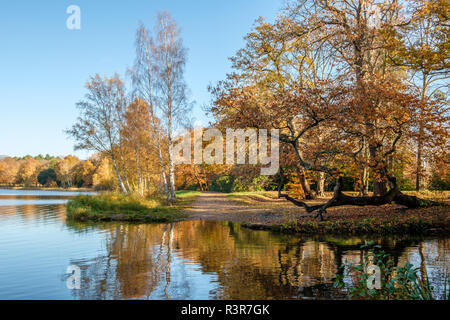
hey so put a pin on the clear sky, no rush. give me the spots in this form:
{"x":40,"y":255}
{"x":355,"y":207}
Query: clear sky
{"x":44,"y":65}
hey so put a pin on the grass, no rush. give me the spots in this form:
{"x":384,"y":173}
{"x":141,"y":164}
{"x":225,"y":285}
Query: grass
{"x":250,"y":198}
{"x":440,"y":196}
{"x":354,"y":221}
{"x":131,"y":208}
{"x":263,"y":196}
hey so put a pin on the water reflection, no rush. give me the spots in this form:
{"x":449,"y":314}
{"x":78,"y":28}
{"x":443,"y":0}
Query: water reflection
{"x":220,"y":260}
{"x":185,"y":260}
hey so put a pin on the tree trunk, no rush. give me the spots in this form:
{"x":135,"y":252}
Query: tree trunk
{"x":200,"y":184}
{"x":379,"y":188}
{"x":379,"y":181}
{"x":119,"y":179}
{"x":124,"y":169}
{"x":364,"y":185}
{"x":171,"y":170}
{"x":321,"y":185}
{"x":419,"y":164}
{"x":419,"y":160}
{"x":140,"y":189}
{"x":169,"y":135}
{"x":309,"y":194}
{"x":163,"y":171}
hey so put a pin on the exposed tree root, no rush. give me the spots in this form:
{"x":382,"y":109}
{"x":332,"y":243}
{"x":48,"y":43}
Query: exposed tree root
{"x":340,"y":199}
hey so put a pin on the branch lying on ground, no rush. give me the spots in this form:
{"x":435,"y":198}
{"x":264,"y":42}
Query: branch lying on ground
{"x":340,"y":199}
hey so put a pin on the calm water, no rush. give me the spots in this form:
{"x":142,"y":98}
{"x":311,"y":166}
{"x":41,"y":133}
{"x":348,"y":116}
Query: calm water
{"x":186,"y":260}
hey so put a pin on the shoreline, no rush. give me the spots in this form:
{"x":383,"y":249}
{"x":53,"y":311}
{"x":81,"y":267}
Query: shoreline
{"x":48,"y":189}
{"x":275,"y":215}
{"x":279,"y":216}
{"x":413,"y":229}
{"x":313,"y":227}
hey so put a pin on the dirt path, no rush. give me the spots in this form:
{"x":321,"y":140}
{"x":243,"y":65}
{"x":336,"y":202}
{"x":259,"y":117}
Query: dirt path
{"x":216,"y":206}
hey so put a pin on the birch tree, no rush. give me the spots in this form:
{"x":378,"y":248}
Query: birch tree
{"x":143,"y":76}
{"x":98,"y":127}
{"x":171,"y":89}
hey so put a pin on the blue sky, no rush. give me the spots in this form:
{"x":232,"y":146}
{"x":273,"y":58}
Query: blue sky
{"x":44,"y":65}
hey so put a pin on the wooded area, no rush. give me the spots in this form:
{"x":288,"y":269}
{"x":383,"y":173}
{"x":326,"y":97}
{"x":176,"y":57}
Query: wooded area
{"x":358,"y":90}
{"x":352,"y":86}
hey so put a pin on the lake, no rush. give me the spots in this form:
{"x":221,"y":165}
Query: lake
{"x":184,"y":260}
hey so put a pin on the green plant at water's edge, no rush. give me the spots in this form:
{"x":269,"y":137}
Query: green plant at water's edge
{"x":402,"y":283}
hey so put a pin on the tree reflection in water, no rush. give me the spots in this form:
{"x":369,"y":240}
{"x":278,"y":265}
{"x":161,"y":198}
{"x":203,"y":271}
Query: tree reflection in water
{"x":222,"y":260}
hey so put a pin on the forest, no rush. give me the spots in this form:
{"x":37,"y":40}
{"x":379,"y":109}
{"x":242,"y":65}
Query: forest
{"x":357,"y":89}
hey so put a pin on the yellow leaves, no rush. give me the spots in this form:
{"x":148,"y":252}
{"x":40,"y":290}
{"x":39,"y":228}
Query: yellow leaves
{"x":295,"y":190}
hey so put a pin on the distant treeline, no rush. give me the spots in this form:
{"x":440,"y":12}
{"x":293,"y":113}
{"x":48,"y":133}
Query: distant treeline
{"x":39,"y":157}
{"x":50,"y":171}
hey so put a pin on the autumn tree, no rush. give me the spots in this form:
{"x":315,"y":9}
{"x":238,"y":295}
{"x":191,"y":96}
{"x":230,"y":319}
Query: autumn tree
{"x":28,"y":171}
{"x":104,"y":177}
{"x":144,"y":82}
{"x":361,"y":104}
{"x":171,"y":88}
{"x":421,"y":45}
{"x":98,"y":127}
{"x":9,"y":169}
{"x":158,"y":78}
{"x":140,"y":143}
{"x":82,"y":173}
{"x":64,"y":171}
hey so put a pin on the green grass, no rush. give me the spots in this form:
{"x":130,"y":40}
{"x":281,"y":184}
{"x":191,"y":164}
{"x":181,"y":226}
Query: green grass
{"x":251,"y":197}
{"x":119,"y":207}
{"x":440,"y":196}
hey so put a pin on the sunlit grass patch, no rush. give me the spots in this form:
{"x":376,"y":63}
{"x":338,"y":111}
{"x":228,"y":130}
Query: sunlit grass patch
{"x":187,"y":194}
{"x":440,"y":196}
{"x":251,"y":197}
{"x":185,"y":198}
{"x":120,"y":207}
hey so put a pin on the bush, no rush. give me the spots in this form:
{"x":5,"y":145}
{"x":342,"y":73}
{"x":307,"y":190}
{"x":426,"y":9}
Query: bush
{"x":440,"y":183}
{"x":395,"y":282}
{"x":243,"y":184}
{"x":222,"y":184}
{"x":349,"y":184}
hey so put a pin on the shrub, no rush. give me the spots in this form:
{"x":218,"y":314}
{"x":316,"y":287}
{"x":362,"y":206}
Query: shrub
{"x":257,"y":183}
{"x":395,"y":282}
{"x":222,"y":184}
{"x":440,"y":183}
